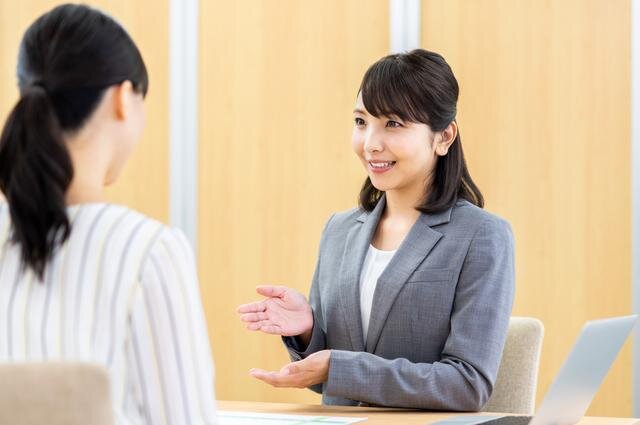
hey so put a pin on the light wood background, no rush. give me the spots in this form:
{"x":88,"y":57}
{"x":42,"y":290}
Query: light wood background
{"x":544,"y":118}
{"x":278,"y":86}
{"x":144,"y":184}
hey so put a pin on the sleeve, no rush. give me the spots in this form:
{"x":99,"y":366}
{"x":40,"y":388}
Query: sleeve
{"x":169,"y":356}
{"x":463,"y":378}
{"x":318,"y":335}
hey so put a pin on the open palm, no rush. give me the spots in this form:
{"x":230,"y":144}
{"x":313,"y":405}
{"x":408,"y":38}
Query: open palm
{"x":285,"y":312}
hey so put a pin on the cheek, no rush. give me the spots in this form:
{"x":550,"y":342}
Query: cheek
{"x":357,"y":141}
{"x":416,"y":153}
{"x":404,"y":148}
{"x":424,"y":155}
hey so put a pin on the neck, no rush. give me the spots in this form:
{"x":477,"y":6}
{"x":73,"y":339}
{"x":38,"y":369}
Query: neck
{"x":400,"y":206}
{"x":402,"y":202}
{"x":83,"y":191}
{"x":89,"y":171}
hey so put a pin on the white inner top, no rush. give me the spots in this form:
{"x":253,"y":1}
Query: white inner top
{"x":374,"y":264}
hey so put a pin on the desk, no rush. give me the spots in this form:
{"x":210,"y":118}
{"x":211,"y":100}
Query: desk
{"x":376,"y":416}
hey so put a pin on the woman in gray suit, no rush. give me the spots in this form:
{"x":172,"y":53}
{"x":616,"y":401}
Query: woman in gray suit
{"x":413,"y":290}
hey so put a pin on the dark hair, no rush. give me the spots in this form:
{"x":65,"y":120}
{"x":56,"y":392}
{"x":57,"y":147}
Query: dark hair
{"x":419,"y":86}
{"x":67,"y":59}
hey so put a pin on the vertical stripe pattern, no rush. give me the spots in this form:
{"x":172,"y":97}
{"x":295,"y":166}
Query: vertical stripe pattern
{"x":123,"y":292}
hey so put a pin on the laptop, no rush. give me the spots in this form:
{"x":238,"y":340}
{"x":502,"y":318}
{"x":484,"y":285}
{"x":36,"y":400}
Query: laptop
{"x":579,"y":378}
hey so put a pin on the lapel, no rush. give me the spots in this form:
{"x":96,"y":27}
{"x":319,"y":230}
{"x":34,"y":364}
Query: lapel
{"x":414,"y":249}
{"x":355,"y":250}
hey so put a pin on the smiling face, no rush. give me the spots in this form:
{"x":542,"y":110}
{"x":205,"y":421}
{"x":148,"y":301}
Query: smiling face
{"x":405,"y":127}
{"x":398,"y":155}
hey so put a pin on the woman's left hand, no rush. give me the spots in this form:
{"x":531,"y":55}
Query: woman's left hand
{"x":301,"y":374}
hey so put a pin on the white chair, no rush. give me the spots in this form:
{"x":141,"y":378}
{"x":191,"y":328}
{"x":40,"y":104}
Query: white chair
{"x":515,"y":387}
{"x":54,"y":394}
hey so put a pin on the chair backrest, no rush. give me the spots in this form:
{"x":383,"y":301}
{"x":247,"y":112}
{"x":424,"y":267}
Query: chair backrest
{"x":55,"y":394}
{"x":515,"y":387}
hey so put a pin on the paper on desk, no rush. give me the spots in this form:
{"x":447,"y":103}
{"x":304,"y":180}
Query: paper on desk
{"x":465,"y":420}
{"x":226,"y":417}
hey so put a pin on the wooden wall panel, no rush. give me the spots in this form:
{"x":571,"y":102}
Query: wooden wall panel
{"x":145,"y":180}
{"x":544,"y":117}
{"x":278,"y":85}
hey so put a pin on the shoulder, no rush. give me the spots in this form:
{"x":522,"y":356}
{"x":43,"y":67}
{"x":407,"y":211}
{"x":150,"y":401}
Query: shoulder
{"x":117,"y":220}
{"x":478,"y":224}
{"x":465,"y":214}
{"x":168,"y":256}
{"x":128,"y":229}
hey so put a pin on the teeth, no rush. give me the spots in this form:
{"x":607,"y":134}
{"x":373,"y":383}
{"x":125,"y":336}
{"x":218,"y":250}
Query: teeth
{"x":382,"y":164}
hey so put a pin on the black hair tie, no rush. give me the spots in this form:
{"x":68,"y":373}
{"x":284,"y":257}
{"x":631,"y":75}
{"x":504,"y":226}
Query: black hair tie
{"x":36,"y":86}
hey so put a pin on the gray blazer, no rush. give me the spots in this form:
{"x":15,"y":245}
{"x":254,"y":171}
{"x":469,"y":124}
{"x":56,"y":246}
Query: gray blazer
{"x":439,"y":317}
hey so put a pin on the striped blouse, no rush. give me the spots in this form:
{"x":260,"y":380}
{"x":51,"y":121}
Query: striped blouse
{"x":122,"y":292}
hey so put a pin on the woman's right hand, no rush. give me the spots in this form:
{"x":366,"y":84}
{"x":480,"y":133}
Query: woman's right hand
{"x":284,"y":312}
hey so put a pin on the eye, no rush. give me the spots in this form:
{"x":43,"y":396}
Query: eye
{"x":359,"y":121}
{"x":393,"y":124}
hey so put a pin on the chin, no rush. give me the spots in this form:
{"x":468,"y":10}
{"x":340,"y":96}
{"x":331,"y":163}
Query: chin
{"x":381,"y":186}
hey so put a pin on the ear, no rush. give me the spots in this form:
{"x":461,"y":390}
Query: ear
{"x":123,"y":97}
{"x":445,"y":138}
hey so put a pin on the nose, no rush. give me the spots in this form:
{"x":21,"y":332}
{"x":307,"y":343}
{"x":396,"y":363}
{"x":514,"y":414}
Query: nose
{"x":373,"y":142}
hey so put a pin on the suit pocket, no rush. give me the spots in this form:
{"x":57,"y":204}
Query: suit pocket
{"x":430,"y":276}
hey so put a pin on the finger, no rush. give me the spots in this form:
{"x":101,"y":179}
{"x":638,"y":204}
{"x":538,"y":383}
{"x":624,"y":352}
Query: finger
{"x":254,"y":317}
{"x":258,"y":371}
{"x":271,"y":290}
{"x":261,"y":374}
{"x":252,"y":307}
{"x":275,"y":379}
{"x":253,"y":326}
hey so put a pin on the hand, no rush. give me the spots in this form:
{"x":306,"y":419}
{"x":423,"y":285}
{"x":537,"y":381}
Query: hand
{"x":301,"y":374}
{"x":285,"y":312}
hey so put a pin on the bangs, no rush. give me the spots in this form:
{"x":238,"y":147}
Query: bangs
{"x":387,"y":90}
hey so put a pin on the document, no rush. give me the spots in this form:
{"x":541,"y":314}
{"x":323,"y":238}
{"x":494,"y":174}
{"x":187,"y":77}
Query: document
{"x":466,"y":420}
{"x":249,"y":418}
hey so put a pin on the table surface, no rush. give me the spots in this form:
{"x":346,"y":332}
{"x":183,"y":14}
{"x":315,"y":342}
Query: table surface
{"x":376,"y":415}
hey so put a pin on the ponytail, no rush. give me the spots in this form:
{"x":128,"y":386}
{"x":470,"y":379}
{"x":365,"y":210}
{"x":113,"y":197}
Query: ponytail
{"x":68,"y":57}
{"x":35,"y":172}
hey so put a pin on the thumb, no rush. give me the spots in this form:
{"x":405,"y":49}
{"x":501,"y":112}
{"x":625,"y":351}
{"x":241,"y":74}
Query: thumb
{"x":290,"y":369}
{"x":271,"y":291}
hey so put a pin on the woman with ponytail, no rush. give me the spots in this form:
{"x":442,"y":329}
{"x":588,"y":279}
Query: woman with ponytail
{"x":412,"y":293}
{"x":82,"y":279}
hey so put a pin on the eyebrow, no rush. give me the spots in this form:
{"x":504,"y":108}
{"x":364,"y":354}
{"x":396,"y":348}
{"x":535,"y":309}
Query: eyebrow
{"x":392,"y":116}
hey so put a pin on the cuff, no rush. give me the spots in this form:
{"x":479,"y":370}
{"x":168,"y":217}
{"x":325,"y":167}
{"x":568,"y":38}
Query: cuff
{"x":340,"y":378}
{"x":316,"y":343}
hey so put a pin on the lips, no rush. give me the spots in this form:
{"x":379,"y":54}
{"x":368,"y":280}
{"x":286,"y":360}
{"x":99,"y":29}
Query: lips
{"x":381,"y":166}
{"x":387,"y":164}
